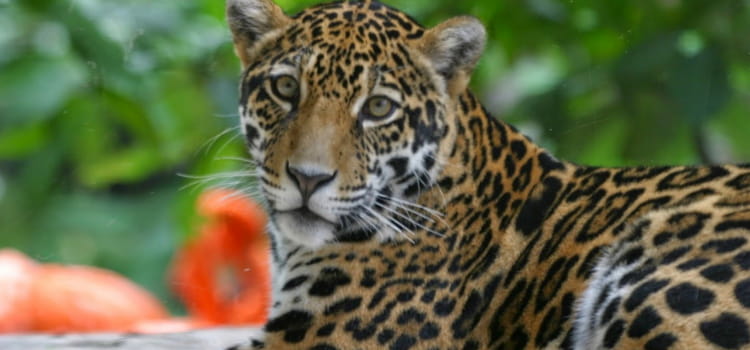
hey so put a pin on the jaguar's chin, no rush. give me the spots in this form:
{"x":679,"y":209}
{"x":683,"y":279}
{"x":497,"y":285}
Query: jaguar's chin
{"x":306,"y":228}
{"x":303,"y":227}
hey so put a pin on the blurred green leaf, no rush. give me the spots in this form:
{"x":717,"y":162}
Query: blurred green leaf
{"x":699,"y":85}
{"x":647,"y":60}
{"x":604,"y":144}
{"x":21,"y":141}
{"x":35,"y":87}
{"x":178,"y":125}
{"x":127,"y":165}
{"x":735,"y":124}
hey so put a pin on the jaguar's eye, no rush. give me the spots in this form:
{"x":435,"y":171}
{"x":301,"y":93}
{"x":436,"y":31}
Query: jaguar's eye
{"x":378,"y":107}
{"x":286,"y":87}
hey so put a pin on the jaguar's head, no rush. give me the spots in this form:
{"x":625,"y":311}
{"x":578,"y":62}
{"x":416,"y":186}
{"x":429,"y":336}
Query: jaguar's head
{"x":349,"y":112}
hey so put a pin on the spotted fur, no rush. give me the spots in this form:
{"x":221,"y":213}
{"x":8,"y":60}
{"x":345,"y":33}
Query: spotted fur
{"x":404,"y":216}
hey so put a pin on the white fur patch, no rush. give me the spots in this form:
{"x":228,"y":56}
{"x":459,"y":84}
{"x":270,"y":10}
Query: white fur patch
{"x":588,"y":332}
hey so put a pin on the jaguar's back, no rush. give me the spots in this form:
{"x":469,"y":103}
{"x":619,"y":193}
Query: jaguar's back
{"x":403,"y":216}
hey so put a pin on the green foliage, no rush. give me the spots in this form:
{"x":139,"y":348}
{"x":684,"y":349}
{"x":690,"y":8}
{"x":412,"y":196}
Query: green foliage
{"x":103,"y":103}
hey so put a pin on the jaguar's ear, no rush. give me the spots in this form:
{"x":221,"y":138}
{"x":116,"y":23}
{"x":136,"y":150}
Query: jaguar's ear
{"x":454,"y":47}
{"x":249,"y":21}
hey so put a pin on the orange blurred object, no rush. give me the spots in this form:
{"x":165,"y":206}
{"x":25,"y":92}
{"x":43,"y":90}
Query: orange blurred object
{"x":88,"y":299}
{"x":55,"y":298}
{"x":169,"y":325}
{"x":16,"y":279}
{"x":223,"y":275}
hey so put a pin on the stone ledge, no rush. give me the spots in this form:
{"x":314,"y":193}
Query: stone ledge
{"x":207,"y":339}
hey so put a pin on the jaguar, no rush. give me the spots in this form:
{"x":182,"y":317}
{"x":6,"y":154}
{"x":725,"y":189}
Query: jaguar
{"x":404,"y":216}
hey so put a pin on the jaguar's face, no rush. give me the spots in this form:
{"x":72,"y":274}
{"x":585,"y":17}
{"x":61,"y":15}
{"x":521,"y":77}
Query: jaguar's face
{"x":346,"y":113}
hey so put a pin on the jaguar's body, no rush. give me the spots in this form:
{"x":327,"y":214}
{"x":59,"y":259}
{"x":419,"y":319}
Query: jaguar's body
{"x":403,"y":216}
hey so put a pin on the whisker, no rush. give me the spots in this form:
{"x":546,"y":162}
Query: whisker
{"x":420,"y":176}
{"x":443,"y":163}
{"x":410,"y":220}
{"x":367,"y":221}
{"x":240,"y":159}
{"x":210,"y":142}
{"x":232,"y":194}
{"x":421,"y":215}
{"x":397,"y":227}
{"x":229,"y":179}
{"x":411,"y":204}
{"x":414,"y":208}
{"x":227,"y":142}
{"x":221,"y":175}
{"x":360,"y":220}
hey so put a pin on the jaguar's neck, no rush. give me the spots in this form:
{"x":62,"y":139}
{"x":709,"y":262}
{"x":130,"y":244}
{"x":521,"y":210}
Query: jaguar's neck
{"x":496,"y":172}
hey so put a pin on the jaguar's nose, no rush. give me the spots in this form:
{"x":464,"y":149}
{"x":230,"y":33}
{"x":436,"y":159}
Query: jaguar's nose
{"x":307,"y":181}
